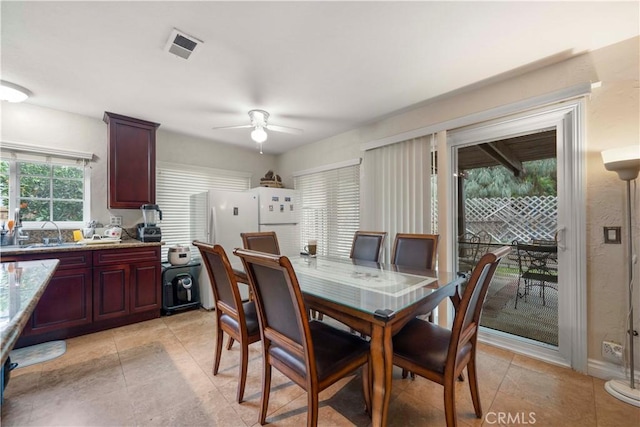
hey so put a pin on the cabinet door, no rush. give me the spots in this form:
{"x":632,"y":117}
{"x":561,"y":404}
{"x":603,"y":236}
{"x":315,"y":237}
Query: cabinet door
{"x":146,"y":287}
{"x":111,"y":292}
{"x":66,"y":302}
{"x":131,"y":161}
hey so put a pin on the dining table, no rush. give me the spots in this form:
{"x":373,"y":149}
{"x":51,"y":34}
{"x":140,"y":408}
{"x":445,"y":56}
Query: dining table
{"x":376,"y":300}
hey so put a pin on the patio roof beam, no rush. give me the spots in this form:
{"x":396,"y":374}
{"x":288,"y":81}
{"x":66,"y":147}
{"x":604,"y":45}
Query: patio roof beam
{"x":503,"y":155}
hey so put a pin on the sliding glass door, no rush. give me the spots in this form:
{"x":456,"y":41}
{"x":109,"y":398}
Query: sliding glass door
{"x":517,"y":183}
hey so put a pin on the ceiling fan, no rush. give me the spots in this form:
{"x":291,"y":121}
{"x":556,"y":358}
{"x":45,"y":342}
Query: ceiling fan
{"x":259,"y":123}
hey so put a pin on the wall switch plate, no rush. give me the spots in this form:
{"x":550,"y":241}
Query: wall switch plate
{"x":612,"y":235}
{"x":115,"y":220}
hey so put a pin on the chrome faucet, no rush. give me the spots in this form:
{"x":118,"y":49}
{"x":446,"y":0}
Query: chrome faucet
{"x":56,"y":226}
{"x":19,"y":237}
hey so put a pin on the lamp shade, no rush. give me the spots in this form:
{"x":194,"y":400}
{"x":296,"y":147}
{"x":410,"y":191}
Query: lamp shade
{"x":625,"y":161}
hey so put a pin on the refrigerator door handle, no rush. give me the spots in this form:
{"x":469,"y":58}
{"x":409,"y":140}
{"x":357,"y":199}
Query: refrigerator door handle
{"x":212,"y":225}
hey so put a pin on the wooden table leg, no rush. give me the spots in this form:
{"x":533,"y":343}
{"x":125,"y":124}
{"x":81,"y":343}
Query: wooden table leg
{"x":382,"y":364}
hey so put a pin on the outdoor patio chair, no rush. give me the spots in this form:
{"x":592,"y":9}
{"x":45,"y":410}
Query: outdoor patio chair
{"x":538,"y":265}
{"x":468,"y":247}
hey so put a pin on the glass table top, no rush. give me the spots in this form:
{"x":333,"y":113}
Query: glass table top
{"x":367,"y":286}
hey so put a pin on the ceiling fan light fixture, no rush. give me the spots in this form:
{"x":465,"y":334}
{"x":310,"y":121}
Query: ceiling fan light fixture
{"x":259,"y":135}
{"x":258,"y":117}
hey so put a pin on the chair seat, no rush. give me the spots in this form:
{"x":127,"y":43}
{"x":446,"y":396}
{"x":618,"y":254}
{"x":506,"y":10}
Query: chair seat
{"x":251,"y":317}
{"x":541,"y":276}
{"x":425,"y":344}
{"x":344,"y":348}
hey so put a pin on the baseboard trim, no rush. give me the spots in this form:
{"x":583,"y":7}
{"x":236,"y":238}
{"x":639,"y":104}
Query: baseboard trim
{"x":607,"y":370}
{"x":523,"y":346}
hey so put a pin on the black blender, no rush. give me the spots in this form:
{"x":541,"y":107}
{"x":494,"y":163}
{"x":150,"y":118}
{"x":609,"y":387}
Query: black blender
{"x":148,"y":231}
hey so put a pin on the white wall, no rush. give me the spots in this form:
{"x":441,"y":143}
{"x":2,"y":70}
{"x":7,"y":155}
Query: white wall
{"x":43,"y":126}
{"x":612,"y":120}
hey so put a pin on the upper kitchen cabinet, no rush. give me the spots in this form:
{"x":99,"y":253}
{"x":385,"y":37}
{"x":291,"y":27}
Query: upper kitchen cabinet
{"x":131,"y":161}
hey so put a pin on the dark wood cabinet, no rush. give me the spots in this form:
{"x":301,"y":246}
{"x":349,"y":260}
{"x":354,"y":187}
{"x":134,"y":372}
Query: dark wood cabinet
{"x":110,"y":290}
{"x":131,"y":161}
{"x":126,"y":282}
{"x":95,"y":290}
{"x":66,"y":302}
{"x":145,"y":294}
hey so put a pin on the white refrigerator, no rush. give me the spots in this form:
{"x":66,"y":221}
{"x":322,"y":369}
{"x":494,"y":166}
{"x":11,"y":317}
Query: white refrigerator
{"x":219,"y":217}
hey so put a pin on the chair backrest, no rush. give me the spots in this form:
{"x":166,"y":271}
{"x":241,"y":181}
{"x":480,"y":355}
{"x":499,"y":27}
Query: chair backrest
{"x":225,"y":289}
{"x":264,"y":241}
{"x":484,"y":245}
{"x":415,"y":250}
{"x":468,"y":247}
{"x":467,"y":320}
{"x":367,"y":245}
{"x":284,"y":323}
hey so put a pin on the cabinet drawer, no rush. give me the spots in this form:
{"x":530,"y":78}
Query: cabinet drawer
{"x":126,"y":256}
{"x":68,"y":260}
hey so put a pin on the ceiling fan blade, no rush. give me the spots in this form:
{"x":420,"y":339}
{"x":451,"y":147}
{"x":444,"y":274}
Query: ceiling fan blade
{"x":284,"y":129}
{"x":234,"y":127}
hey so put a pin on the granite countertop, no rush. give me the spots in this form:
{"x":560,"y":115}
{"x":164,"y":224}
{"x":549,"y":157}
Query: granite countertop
{"x":21,"y":286}
{"x":69,"y":247}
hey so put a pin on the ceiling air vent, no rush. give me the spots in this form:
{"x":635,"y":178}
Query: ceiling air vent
{"x":181,"y":44}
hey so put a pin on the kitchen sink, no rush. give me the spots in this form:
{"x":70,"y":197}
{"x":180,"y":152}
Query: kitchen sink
{"x":53,"y":245}
{"x":42,"y":246}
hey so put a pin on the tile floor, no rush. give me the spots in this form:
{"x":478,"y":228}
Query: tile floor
{"x":159,"y":373}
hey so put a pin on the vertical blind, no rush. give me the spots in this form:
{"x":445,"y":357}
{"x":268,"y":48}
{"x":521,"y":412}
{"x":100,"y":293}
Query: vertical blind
{"x":174,"y":186}
{"x":397,"y":189}
{"x":330,"y":208}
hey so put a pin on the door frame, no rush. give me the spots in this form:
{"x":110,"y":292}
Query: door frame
{"x":568,"y":119}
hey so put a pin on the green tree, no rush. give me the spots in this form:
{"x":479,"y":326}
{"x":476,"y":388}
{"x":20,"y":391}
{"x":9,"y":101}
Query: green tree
{"x":538,"y":179}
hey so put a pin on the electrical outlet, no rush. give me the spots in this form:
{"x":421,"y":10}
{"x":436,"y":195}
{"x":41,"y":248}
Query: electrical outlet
{"x":116,"y":220}
{"x":612,"y":351}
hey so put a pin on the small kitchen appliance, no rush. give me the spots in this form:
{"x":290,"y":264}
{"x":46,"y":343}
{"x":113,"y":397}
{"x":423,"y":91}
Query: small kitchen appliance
{"x":180,"y":288}
{"x":179,"y":255}
{"x":148,"y":230}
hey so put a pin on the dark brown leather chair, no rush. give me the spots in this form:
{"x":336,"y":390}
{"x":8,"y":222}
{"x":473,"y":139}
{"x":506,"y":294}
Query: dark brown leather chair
{"x":312,"y":354}
{"x":238,"y":319}
{"x":264,"y":241}
{"x":367,"y":245}
{"x":415,"y":250}
{"x":441,"y":354}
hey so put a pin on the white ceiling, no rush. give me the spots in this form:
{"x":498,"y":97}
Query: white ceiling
{"x":325,"y":67}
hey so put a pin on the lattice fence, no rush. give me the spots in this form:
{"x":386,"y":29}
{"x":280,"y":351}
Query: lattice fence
{"x":508,"y":219}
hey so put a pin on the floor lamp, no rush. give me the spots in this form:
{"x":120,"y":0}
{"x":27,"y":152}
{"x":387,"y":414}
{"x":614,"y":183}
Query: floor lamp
{"x":626,"y":162}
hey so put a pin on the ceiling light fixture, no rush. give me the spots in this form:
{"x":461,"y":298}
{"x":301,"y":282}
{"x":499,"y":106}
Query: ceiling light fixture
{"x":12,"y":92}
{"x":259,"y":135}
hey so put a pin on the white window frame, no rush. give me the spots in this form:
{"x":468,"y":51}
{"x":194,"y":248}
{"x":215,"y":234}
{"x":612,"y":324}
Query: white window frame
{"x":18,"y":152}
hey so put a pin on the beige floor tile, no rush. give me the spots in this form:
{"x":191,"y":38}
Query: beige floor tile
{"x":96,"y":409}
{"x":518,"y":410}
{"x":158,"y":373}
{"x":569,"y":391}
{"x":611,"y":412}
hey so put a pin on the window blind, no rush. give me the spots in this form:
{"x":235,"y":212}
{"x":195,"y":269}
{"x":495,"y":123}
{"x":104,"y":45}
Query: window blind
{"x":174,"y":186}
{"x":330,"y":208}
{"x":397,"y":191}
